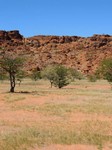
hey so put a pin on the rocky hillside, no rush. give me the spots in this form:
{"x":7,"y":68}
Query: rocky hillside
{"x":81,"y":53}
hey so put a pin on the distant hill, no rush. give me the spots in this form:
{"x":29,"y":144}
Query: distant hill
{"x":81,"y":53}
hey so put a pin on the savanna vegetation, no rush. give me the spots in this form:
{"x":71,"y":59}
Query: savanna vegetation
{"x":77,"y":110}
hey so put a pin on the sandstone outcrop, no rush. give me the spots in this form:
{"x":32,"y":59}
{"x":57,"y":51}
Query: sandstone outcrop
{"x":81,"y":53}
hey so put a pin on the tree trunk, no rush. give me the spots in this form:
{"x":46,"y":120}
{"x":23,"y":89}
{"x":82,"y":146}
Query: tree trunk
{"x":12,"y":82}
{"x":51,"y":83}
{"x":12,"y":89}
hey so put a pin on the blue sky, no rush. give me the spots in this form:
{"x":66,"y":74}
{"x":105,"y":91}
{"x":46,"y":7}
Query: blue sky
{"x":57,"y":17}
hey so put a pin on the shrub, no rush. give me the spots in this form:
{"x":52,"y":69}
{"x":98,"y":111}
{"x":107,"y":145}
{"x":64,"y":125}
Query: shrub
{"x":57,"y":75}
{"x":105,"y":70}
{"x":92,"y":78}
{"x":61,"y":78}
{"x":35,"y":75}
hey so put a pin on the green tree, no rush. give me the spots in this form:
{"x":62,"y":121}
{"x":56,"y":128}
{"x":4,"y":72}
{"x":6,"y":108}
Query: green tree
{"x":3,"y":76}
{"x":61,"y":79}
{"x":12,"y":65}
{"x":49,"y":73}
{"x":74,"y":74}
{"x":35,"y":75}
{"x":60,"y":76}
{"x":105,"y":70}
{"x":57,"y":75}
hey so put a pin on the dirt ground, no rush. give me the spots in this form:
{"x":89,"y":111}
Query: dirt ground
{"x":71,"y":147}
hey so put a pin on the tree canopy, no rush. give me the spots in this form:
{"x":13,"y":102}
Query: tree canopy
{"x":105,"y":70}
{"x":13,"y":66}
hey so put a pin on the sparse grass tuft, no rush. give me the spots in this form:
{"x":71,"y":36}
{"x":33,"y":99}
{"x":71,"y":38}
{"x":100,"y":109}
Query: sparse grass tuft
{"x":41,"y":136}
{"x":10,"y":98}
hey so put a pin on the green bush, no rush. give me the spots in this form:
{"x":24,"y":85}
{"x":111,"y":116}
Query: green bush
{"x":92,"y":78}
{"x":105,"y":70}
{"x":61,"y":78}
{"x":57,"y":75}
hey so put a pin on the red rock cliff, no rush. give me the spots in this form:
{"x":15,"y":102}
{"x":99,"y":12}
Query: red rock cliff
{"x":81,"y":53}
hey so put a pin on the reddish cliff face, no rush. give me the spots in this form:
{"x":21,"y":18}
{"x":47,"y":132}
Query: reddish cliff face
{"x":81,"y":53}
{"x":10,"y":35}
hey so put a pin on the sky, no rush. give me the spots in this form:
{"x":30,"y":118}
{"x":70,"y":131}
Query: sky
{"x":57,"y":17}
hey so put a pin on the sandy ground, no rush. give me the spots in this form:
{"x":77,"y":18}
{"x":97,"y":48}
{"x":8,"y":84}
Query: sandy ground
{"x":67,"y":147}
{"x":71,"y":147}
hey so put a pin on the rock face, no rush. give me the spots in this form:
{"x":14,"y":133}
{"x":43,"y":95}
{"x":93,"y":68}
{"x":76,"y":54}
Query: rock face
{"x":10,"y":35}
{"x":81,"y":53}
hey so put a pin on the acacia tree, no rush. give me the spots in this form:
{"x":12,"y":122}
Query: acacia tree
{"x":61,"y":79}
{"x":12,"y":65}
{"x":49,"y":73}
{"x":57,"y":75}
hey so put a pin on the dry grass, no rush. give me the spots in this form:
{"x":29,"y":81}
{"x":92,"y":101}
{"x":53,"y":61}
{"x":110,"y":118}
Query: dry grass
{"x":80,"y":113}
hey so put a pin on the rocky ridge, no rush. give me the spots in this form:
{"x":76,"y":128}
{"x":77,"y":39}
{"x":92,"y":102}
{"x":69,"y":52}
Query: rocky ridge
{"x":81,"y":53}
